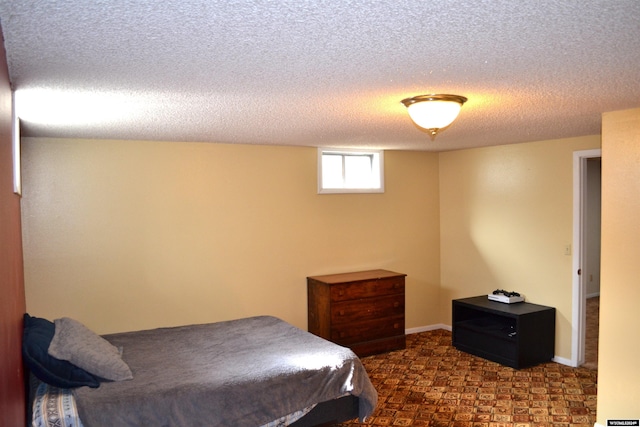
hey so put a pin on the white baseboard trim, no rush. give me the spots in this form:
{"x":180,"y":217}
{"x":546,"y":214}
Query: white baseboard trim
{"x":427,"y":328}
{"x":598,"y":425}
{"x":595,"y":294}
{"x":563,"y":361}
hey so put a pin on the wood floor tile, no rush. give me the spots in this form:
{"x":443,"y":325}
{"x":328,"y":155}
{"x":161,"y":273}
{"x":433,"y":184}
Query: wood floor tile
{"x":431,"y":383}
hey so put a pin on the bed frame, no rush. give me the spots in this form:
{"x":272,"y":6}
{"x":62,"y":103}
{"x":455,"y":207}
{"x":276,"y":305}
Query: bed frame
{"x":330,"y":413}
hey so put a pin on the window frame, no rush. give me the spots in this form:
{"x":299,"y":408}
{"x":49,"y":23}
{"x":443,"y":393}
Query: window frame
{"x":346,"y":152}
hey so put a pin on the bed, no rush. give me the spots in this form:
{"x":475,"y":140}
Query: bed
{"x":258,"y":371}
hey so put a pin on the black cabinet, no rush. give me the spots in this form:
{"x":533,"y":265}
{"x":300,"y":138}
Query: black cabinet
{"x":517,"y":335}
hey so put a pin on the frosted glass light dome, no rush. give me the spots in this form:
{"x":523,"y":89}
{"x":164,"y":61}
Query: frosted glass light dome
{"x":434,"y":112}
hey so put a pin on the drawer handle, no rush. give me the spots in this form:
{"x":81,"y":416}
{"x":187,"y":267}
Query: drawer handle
{"x":341,"y":293}
{"x":396,"y":325}
{"x":341,"y":313}
{"x":396,"y":304}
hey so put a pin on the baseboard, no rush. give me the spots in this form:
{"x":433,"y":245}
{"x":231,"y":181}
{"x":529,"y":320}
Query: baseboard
{"x":563,"y":361}
{"x":427,"y":328}
{"x":593,"y":295}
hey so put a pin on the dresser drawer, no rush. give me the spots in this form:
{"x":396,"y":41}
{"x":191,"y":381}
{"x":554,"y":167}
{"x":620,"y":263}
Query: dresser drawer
{"x":367,"y":330}
{"x":362,"y":310}
{"x":368,"y":288}
{"x":367,"y":309}
{"x":381,"y":345}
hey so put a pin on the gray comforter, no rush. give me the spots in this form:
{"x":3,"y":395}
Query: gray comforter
{"x":244,"y":372}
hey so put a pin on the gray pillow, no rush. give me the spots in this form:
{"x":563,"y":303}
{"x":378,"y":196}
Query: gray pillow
{"x":74,"y":342}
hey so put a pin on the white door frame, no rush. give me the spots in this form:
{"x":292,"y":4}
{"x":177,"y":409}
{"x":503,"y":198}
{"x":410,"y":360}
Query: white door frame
{"x":579,"y":253}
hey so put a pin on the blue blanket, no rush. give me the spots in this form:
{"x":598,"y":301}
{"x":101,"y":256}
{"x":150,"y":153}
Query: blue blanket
{"x":244,"y":372}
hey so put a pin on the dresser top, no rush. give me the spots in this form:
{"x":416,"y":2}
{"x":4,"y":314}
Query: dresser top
{"x":517,"y":308}
{"x":356,"y":276}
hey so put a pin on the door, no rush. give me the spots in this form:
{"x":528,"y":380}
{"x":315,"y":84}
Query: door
{"x":586,"y":243}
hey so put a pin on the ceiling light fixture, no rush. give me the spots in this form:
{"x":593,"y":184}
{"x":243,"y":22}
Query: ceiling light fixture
{"x":434,"y":112}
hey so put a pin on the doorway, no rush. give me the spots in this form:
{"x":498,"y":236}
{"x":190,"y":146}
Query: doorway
{"x":586,"y":243}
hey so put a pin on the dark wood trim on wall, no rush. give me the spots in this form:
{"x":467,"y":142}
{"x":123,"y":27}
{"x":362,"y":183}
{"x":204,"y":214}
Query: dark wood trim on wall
{"x":12,"y":297}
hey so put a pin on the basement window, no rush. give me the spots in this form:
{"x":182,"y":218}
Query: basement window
{"x":350,"y":171}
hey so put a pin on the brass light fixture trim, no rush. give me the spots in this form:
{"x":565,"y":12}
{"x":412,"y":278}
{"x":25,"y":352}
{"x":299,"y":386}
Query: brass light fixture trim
{"x":434,"y":112}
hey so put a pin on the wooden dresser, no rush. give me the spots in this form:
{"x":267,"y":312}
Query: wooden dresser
{"x":361,"y":310}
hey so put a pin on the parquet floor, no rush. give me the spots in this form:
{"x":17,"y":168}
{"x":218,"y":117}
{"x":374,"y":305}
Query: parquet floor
{"x":592,"y":333}
{"x":430,"y":383}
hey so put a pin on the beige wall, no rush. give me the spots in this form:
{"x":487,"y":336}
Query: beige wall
{"x":619,"y":346}
{"x":506,"y":217}
{"x":127,"y":235}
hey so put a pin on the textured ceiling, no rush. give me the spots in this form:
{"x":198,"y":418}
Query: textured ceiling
{"x":319,"y":73}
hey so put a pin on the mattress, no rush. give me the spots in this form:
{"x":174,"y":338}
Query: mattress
{"x":56,"y":407}
{"x":258,"y":371}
